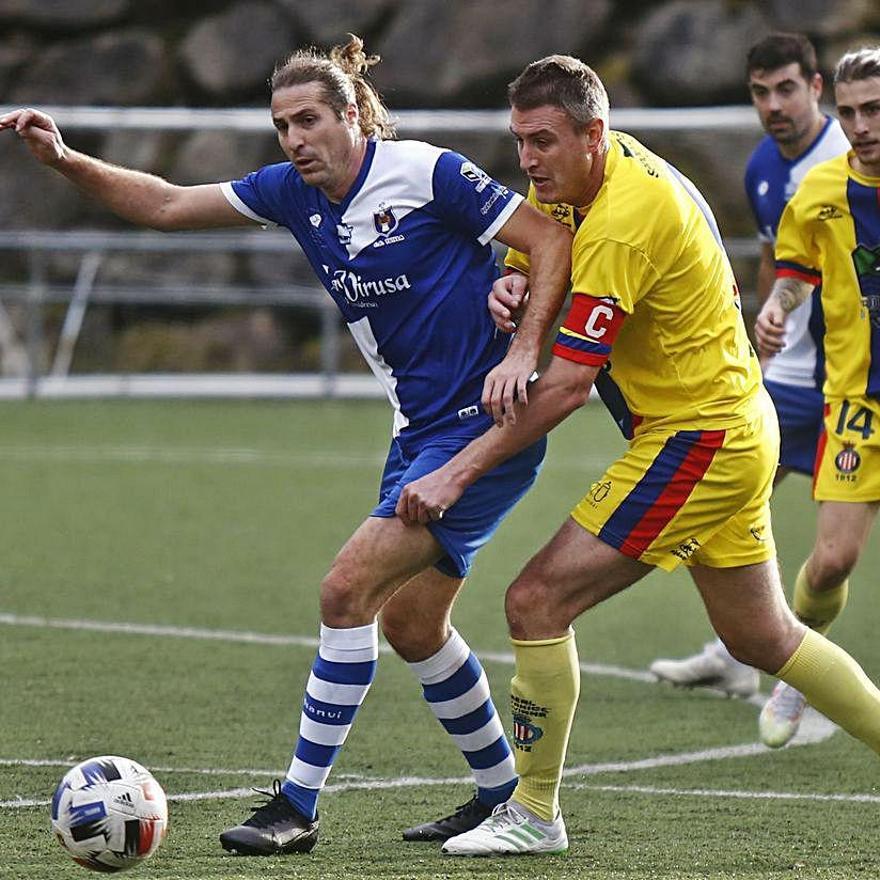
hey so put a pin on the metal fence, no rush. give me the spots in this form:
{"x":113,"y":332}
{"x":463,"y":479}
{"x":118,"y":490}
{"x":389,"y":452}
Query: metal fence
{"x":91,"y":248}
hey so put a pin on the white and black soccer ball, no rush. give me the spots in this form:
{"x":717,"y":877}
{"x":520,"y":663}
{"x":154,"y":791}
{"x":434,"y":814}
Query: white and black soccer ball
{"x":109,"y":813}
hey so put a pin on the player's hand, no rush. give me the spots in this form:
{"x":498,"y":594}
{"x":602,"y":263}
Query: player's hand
{"x":38,"y":131}
{"x":770,"y":330}
{"x":507,"y":384}
{"x":507,"y":300}
{"x":427,"y":499}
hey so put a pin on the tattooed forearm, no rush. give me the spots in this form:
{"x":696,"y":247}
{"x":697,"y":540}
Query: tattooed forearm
{"x":790,"y":292}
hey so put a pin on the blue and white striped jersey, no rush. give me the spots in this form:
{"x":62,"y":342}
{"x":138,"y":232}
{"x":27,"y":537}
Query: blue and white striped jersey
{"x":406,"y":258}
{"x":770,"y":181}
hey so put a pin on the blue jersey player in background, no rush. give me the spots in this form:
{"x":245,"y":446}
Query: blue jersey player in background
{"x":398,"y":233}
{"x":785,"y":87}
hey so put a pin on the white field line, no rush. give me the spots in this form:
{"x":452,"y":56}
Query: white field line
{"x":214,"y":455}
{"x":255,"y":638}
{"x":418,"y":781}
{"x":723,"y":793}
{"x":814,"y":727}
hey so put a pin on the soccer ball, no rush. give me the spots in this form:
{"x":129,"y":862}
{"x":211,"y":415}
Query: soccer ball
{"x":109,"y":813}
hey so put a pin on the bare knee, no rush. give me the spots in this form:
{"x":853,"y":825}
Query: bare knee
{"x":534,"y":610}
{"x":345,"y":600}
{"x":412,"y":636}
{"x":767,"y":647}
{"x":828,"y":566}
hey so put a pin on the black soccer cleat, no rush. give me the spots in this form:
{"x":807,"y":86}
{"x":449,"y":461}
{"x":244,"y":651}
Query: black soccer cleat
{"x":465,"y":818}
{"x":276,"y":827}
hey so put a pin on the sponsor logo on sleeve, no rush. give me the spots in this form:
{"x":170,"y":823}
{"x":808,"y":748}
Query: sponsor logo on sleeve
{"x":498,"y":192}
{"x":475,"y":175}
{"x":829,"y":212}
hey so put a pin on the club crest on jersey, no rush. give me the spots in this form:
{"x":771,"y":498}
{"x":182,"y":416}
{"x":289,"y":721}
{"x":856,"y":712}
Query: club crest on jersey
{"x":384,"y":219}
{"x":847,"y":460}
{"x":315,"y":220}
{"x":561,"y":213}
{"x":344,"y":233}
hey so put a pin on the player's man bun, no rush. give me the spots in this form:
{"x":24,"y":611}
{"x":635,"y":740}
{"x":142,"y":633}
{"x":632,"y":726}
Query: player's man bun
{"x":342,"y":74}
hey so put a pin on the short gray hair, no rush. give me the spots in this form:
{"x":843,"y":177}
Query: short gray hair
{"x":564,"y":82}
{"x":859,"y":64}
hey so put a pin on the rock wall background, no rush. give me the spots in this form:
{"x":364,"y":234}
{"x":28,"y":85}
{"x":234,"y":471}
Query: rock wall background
{"x":436,"y":54}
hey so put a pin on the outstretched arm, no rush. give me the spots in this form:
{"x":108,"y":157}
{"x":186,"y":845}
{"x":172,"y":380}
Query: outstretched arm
{"x":548,"y":245}
{"x":143,"y":199}
{"x":787,"y":294}
{"x":563,"y":387}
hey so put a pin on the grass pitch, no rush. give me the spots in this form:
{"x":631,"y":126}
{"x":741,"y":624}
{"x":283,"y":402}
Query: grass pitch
{"x":195,"y":522}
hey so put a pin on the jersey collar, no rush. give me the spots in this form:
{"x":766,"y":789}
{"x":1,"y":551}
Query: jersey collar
{"x":356,"y":187}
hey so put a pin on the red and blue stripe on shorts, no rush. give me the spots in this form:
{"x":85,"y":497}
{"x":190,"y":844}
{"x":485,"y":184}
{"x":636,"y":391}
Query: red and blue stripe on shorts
{"x":661,"y":492}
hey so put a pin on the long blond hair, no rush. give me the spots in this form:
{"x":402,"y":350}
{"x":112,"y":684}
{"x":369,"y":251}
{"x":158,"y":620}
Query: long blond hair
{"x":342,"y":76}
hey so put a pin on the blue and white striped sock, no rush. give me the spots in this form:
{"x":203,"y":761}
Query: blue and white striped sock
{"x":341,"y":676}
{"x":456,"y":688}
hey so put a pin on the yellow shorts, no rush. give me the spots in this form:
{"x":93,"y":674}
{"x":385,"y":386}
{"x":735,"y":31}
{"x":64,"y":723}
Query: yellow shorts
{"x":698,"y":497}
{"x":848,"y":457}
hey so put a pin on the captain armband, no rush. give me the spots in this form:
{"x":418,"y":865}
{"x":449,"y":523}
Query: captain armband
{"x":589,"y":330}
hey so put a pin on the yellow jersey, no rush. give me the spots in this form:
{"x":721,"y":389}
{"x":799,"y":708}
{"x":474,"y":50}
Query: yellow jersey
{"x":829,"y":234}
{"x":651,"y":280}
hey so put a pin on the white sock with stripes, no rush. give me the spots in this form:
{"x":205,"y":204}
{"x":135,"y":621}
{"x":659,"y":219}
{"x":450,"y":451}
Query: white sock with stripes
{"x":341,"y":676}
{"x":456,"y":688}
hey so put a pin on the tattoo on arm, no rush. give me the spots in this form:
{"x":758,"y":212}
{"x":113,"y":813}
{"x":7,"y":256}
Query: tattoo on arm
{"x":791,"y":292}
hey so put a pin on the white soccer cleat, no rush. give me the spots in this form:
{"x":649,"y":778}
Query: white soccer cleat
{"x":510,"y":830}
{"x":781,"y":716}
{"x":713,"y":667}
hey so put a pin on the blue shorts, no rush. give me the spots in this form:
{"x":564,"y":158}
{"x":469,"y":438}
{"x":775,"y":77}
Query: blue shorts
{"x":473,"y":519}
{"x":801,"y":416}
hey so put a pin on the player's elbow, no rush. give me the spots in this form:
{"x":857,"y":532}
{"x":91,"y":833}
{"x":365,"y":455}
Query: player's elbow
{"x":573,"y":393}
{"x":570,"y":384}
{"x":556,"y":239}
{"x":578,"y":395}
{"x":171,"y":213}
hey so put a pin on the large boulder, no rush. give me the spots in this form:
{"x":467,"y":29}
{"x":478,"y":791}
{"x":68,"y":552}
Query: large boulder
{"x":441,"y":53}
{"x":15,"y":51}
{"x":230,"y":53}
{"x":31,"y":195}
{"x":132,"y":148}
{"x":819,"y":18}
{"x":694,"y":53}
{"x":330,"y":21}
{"x":63,"y":15}
{"x":213,"y":156}
{"x":116,"y":68}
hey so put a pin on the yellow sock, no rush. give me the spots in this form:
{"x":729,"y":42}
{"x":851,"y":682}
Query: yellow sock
{"x":543,"y":696}
{"x":818,"y":610}
{"x":836,"y":685}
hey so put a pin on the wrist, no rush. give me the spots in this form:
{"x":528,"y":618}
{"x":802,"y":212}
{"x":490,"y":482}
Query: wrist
{"x":525,"y":343}
{"x":64,"y":160}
